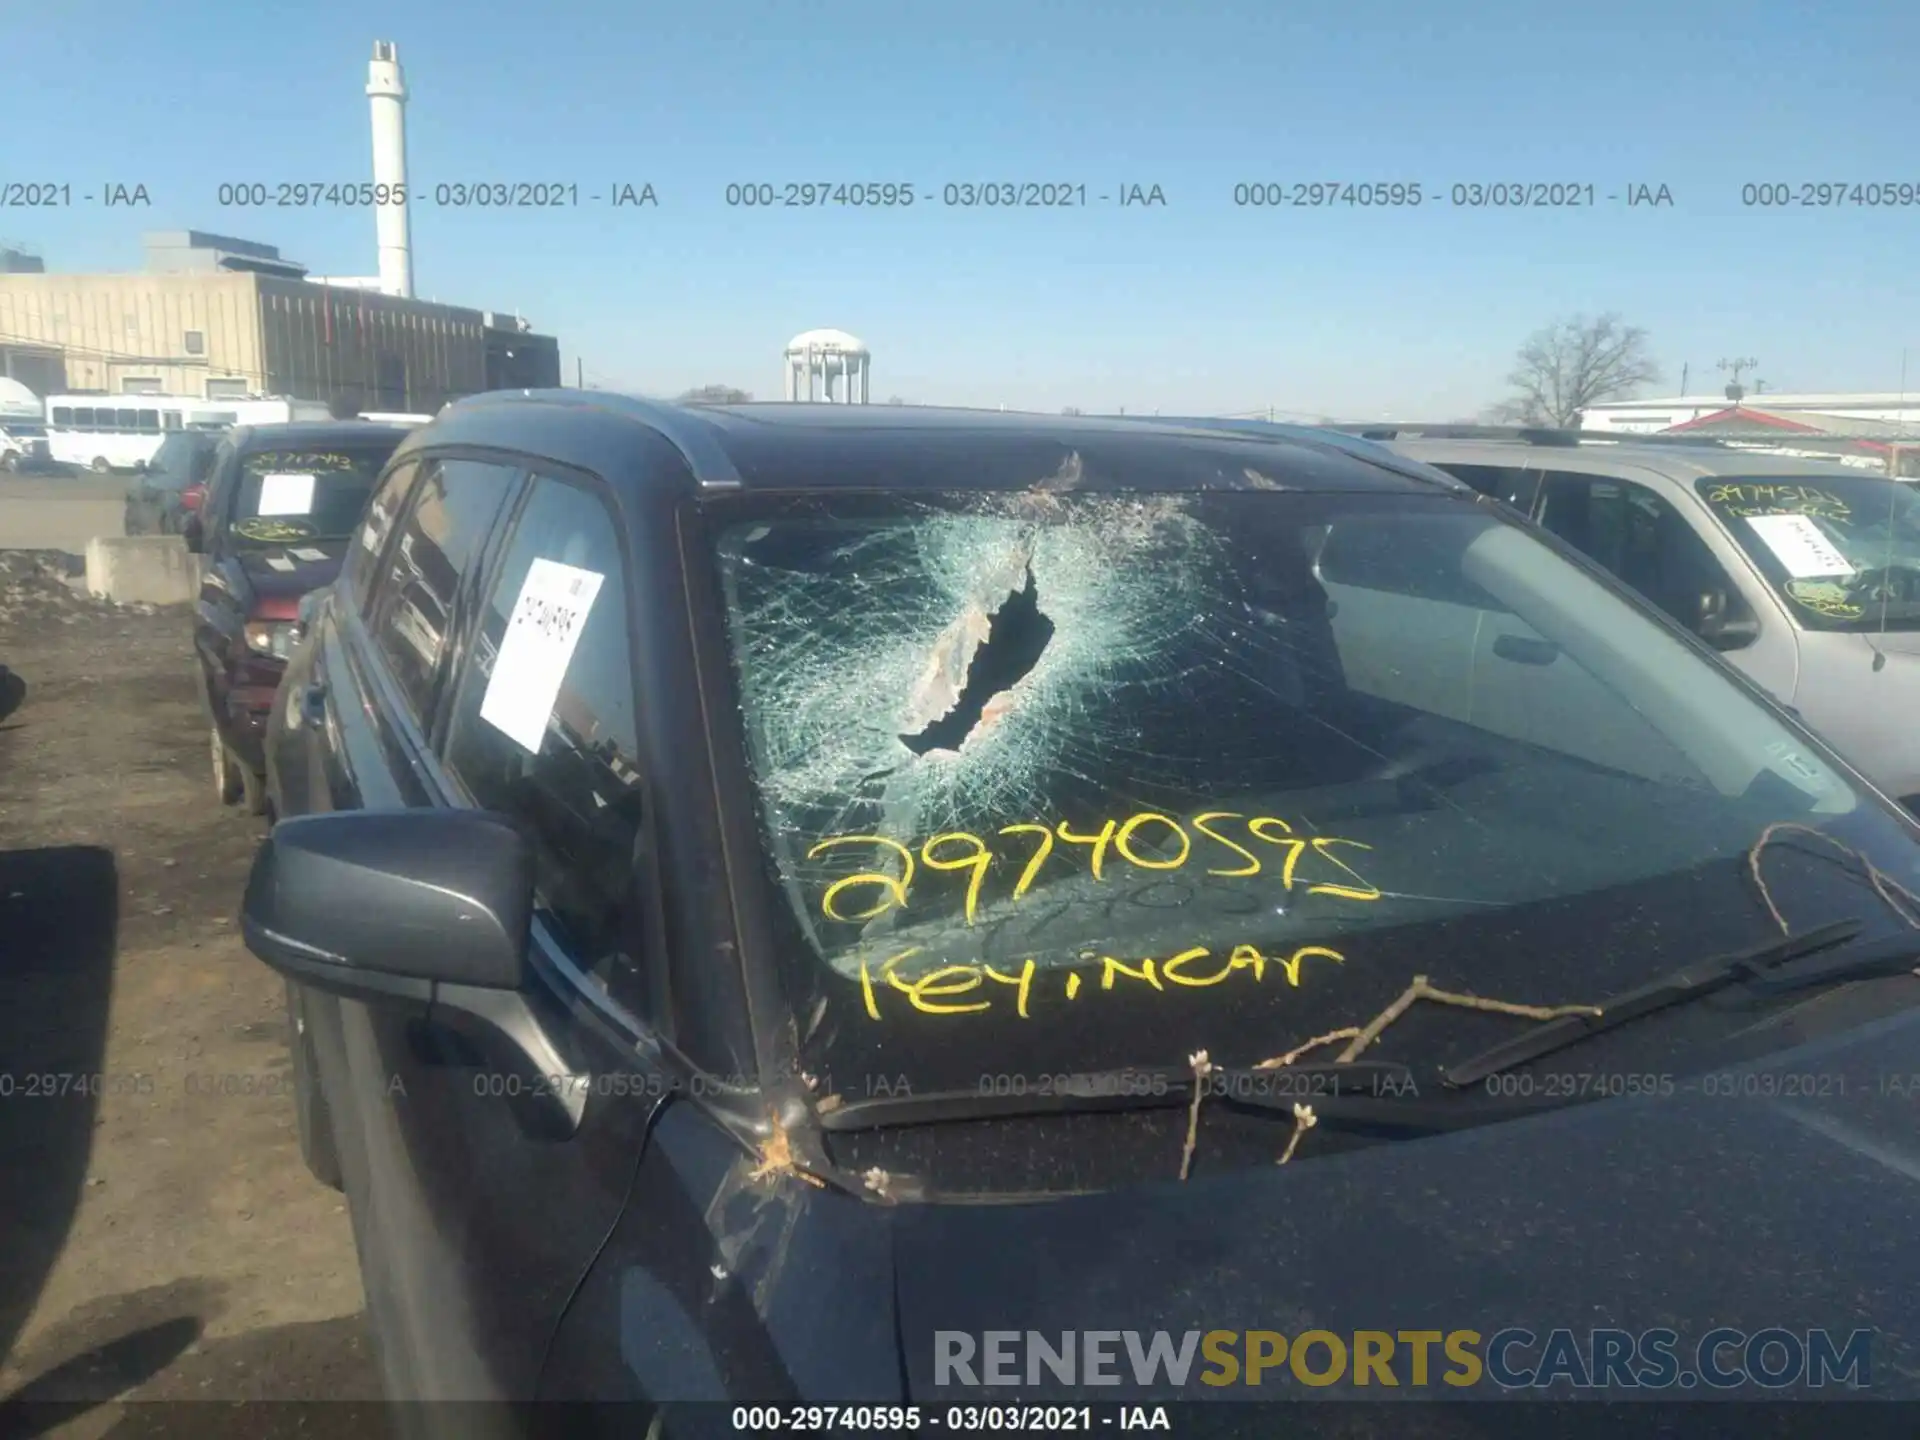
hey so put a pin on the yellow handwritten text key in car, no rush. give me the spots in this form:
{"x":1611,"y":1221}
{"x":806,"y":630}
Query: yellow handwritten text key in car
{"x":936,"y":992}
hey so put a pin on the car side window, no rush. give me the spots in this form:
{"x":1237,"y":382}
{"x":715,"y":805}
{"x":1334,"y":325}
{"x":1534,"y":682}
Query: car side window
{"x":219,"y":486}
{"x":1518,"y":485}
{"x":447,"y":517}
{"x":362,"y":565}
{"x":556,"y":747}
{"x":1642,"y":538}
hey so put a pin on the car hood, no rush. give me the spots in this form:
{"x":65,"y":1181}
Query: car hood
{"x":1690,"y":1211}
{"x":1784,"y":1194}
{"x":288,"y":572}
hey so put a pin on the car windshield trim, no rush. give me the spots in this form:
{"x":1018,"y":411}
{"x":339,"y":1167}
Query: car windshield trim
{"x":1708,"y":758}
{"x":1842,"y":552}
{"x":324,"y":509}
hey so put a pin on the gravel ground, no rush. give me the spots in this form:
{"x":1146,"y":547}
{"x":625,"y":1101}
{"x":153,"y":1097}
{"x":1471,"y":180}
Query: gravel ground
{"x":159,"y":1237}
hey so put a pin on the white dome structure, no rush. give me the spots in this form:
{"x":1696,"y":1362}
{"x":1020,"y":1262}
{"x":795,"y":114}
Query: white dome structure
{"x":17,"y":402}
{"x":819,"y":357}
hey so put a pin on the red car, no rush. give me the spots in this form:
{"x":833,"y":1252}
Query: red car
{"x":279,"y":507}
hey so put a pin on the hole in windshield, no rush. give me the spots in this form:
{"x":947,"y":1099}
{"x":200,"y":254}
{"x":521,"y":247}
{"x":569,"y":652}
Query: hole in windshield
{"x":991,"y":653}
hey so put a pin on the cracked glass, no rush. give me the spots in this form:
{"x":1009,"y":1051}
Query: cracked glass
{"x":1130,"y":771}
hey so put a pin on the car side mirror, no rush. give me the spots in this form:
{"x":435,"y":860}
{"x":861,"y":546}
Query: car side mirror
{"x":392,"y":904}
{"x":1723,"y":622}
{"x":425,"y":910}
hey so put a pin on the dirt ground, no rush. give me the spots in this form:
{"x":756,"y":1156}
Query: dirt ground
{"x":159,"y":1237}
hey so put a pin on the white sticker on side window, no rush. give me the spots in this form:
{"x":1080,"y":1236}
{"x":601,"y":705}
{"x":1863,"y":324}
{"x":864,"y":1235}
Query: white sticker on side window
{"x":536,"y":650}
{"x":286,"y":494}
{"x":1802,"y":546}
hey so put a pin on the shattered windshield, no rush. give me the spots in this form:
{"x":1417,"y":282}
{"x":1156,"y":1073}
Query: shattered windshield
{"x":1108,"y":779}
{"x":1844,"y":550}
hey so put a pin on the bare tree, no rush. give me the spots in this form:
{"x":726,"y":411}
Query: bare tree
{"x":1069,"y":409}
{"x":715,"y":395}
{"x":896,"y":400}
{"x":1565,"y":367}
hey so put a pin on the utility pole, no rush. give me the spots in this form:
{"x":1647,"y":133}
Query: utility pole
{"x":1736,"y":391}
{"x":1685,"y":370}
{"x":579,"y":373}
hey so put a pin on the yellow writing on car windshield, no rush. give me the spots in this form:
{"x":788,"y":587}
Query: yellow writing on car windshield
{"x":1743,"y":500}
{"x":1147,"y":841}
{"x":944,"y":987}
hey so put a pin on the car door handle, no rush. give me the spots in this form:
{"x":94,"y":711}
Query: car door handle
{"x":1522,"y":651}
{"x":313,"y":707}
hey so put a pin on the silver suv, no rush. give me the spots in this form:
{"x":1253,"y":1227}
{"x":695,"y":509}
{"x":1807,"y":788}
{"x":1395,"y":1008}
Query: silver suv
{"x":1805,"y":574}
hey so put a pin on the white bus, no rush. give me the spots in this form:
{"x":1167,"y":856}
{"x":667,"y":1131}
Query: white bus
{"x":121,"y":432}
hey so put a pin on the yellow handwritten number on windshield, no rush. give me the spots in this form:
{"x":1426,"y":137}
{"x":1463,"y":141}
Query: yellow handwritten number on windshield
{"x":977,"y":862}
{"x":895,"y":887}
{"x":963,"y":852}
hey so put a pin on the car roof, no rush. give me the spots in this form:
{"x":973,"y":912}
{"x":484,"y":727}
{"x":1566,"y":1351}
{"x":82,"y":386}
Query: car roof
{"x":786,"y":445}
{"x":313,"y":433}
{"x":1608,"y":457}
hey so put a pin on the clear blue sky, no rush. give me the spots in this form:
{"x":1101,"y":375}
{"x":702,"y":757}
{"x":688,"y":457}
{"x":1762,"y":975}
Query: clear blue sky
{"x":1199,"y":306}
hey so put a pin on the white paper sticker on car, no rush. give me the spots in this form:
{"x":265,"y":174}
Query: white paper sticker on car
{"x":536,"y":649}
{"x":281,"y":562}
{"x":1801,"y":545}
{"x":286,"y":494}
{"x":308,"y":554}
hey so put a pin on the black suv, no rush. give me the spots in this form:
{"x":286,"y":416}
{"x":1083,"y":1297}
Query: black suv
{"x":774,"y":895}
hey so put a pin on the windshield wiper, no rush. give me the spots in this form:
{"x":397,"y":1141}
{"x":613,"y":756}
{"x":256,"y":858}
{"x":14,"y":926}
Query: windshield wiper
{"x":1372,"y":1094}
{"x":1690,"y":982}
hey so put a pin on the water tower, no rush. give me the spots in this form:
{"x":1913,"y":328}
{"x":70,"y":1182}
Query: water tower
{"x":818,"y":358}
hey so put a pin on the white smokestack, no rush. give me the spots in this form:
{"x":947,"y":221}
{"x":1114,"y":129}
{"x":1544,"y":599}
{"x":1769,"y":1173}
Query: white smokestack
{"x":387,"y":89}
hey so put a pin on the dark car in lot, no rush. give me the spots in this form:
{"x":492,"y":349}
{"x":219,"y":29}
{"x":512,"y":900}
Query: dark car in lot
{"x":174,"y":483}
{"x":771,"y":895}
{"x":278,"y":507}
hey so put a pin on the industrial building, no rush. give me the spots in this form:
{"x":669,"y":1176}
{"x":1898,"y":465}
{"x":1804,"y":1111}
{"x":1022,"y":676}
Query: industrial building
{"x":1877,"y":429}
{"x":1831,"y":413}
{"x":223,"y":317}
{"x":216,"y":316}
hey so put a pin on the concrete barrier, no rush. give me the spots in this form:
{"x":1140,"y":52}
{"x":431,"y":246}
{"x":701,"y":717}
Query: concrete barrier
{"x":156,"y":569}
